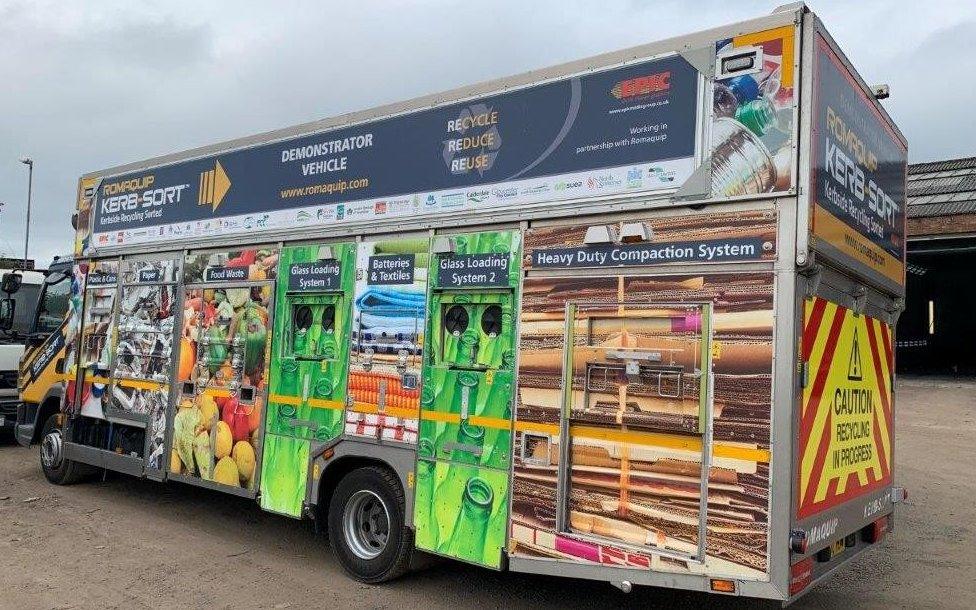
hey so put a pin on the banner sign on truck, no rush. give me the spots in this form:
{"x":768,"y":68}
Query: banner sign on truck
{"x":628,"y":129}
{"x":847,"y":413}
{"x":859,"y":171}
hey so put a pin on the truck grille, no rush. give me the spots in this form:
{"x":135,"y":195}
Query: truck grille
{"x":8,"y":380}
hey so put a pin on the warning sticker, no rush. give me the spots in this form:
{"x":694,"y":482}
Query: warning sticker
{"x":846,"y":418}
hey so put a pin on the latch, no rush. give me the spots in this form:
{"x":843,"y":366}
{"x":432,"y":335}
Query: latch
{"x":381,"y":395}
{"x":401,"y":364}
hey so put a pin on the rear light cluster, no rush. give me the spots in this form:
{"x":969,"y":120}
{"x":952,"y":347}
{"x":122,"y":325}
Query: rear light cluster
{"x":798,"y":542}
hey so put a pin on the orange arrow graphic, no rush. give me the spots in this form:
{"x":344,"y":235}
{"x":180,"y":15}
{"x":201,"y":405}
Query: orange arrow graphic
{"x":221,"y":185}
{"x":214,"y":185}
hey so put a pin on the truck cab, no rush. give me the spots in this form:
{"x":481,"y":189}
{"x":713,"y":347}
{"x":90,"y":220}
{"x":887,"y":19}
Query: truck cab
{"x":30,"y":385}
{"x":17,"y":318}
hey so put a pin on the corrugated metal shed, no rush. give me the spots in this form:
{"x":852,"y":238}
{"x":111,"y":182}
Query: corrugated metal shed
{"x":942,"y":188}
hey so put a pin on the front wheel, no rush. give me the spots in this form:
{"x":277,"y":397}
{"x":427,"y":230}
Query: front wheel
{"x":367,"y":527}
{"x":58,"y":469}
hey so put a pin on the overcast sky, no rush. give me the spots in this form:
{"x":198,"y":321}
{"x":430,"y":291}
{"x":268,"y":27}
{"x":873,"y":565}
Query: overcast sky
{"x":88,"y":86}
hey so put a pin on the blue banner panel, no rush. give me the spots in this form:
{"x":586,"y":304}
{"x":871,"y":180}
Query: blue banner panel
{"x":631,"y":128}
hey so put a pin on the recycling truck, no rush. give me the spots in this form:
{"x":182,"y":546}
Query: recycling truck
{"x":628,"y":318}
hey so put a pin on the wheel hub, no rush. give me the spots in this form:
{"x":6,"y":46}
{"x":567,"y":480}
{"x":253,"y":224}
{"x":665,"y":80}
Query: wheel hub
{"x":366,"y":524}
{"x":52,"y":450}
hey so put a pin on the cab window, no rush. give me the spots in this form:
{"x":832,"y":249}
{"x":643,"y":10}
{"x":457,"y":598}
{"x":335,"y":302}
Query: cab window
{"x":53,"y":305}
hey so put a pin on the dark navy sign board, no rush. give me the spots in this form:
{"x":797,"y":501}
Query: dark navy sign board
{"x":645,"y":254}
{"x":102,"y":279}
{"x":859,"y":166}
{"x":390,"y":269}
{"x":555,"y":128}
{"x":317,"y":275}
{"x":225,"y":274}
{"x":473,"y":270}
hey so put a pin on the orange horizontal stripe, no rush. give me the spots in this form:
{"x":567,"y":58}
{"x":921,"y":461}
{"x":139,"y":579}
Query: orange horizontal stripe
{"x":321,"y":403}
{"x":655,"y":439}
{"x":140,"y":384}
{"x":285,"y":400}
{"x":497,"y":423}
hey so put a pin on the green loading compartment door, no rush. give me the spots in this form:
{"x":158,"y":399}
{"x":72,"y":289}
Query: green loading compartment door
{"x":304,"y":403}
{"x":309,"y":368}
{"x":465,"y":446}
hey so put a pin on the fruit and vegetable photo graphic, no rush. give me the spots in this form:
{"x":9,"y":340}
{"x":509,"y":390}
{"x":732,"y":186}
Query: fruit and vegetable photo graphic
{"x":224,"y":348}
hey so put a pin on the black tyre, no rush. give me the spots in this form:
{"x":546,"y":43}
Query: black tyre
{"x":367,"y":527}
{"x":57,"y":469}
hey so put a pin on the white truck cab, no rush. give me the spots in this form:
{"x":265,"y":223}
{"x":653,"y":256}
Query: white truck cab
{"x":12,"y":343}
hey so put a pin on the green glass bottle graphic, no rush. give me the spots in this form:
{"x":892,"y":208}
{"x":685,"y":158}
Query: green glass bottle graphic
{"x":497,"y":533}
{"x":470,"y":440}
{"x":288,"y":385}
{"x":464,"y":454}
{"x":467,"y":540}
{"x":423,"y":512}
{"x":322,"y":390}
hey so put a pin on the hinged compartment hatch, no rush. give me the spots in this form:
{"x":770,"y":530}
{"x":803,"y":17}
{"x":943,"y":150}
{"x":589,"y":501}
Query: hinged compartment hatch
{"x":637,"y":413}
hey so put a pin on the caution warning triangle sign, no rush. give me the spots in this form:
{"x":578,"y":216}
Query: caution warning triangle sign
{"x":854,"y":365}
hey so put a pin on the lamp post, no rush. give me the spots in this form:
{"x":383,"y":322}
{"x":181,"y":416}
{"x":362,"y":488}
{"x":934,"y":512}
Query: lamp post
{"x":30,"y":183}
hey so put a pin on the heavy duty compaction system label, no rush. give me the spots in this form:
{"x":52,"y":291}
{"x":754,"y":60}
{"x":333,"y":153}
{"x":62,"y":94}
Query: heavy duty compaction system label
{"x":846,"y":419}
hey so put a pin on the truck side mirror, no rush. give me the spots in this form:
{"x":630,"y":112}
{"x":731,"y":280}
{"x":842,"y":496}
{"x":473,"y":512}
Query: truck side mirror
{"x":11,"y":282}
{"x":7,"y":307}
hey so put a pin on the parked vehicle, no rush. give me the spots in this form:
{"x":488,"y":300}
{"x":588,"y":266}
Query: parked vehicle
{"x":628,"y":319}
{"x":19,"y":297}
{"x":32,"y":387}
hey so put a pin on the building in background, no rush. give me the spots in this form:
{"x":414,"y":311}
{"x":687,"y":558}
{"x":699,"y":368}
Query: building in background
{"x":938,"y":327}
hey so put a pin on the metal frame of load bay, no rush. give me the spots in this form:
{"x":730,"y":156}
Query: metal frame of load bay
{"x":704,"y":426}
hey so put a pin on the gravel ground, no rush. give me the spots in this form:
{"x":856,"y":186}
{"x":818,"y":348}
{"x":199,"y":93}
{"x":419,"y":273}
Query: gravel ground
{"x":125,"y":543}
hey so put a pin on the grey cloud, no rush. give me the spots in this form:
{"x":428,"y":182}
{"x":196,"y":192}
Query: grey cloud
{"x":86,"y":87}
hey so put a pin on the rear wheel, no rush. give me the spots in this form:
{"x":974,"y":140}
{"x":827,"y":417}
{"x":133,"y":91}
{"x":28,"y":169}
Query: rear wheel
{"x":57,"y":468}
{"x":367,"y":527}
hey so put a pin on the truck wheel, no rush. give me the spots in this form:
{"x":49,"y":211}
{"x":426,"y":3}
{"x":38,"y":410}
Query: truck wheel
{"x":57,"y":469}
{"x":366,"y":525}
